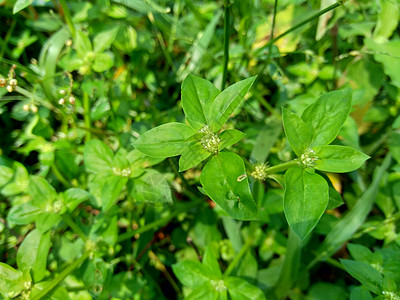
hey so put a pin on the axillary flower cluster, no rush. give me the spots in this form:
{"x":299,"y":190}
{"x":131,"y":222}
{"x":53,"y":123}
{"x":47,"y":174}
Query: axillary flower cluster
{"x":308,"y":159}
{"x":210,"y":141}
{"x":10,"y":83}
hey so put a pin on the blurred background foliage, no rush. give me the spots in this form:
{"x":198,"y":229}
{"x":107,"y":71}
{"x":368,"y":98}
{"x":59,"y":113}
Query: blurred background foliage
{"x":91,"y":76}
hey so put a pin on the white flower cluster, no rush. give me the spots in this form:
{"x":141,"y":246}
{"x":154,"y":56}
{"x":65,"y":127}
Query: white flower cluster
{"x":124,"y":172}
{"x":390,"y":295}
{"x":210,"y":140}
{"x":219,"y":285}
{"x":260,"y":171}
{"x":308,"y":158}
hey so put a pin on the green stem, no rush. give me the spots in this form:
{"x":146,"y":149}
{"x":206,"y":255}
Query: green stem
{"x":226,"y":44}
{"x":68,"y":18}
{"x":155,"y":224}
{"x":6,"y":38}
{"x":238,"y":257}
{"x":86,"y":116}
{"x":59,"y":176}
{"x":297,"y":26}
{"x":281,"y":167}
{"x":68,"y":220}
{"x":60,"y":277}
{"x":272,"y":30}
{"x":289,"y":271}
{"x":162,"y":43}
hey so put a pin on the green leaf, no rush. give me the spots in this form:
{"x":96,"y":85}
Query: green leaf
{"x":338,"y":159}
{"x":73,"y":197}
{"x":83,"y":44}
{"x":112,"y":187}
{"x":388,"y":18}
{"x":298,"y":133}
{"x":364,"y":273}
{"x":305,"y":200}
{"x":21,"y":4}
{"x":191,"y":273}
{"x":197,"y":96}
{"x":326,"y":115}
{"x":167,"y":140}
{"x":351,"y":222}
{"x":229,"y":137}
{"x":207,"y":292}
{"x":23,"y":214}
{"x":388,"y":54}
{"x":103,"y":62}
{"x":98,"y":157}
{"x":360,"y":293}
{"x":326,"y":291}
{"x":6,"y":174}
{"x":240,"y":289}
{"x":360,"y":253}
{"x":47,"y":220}
{"x":192,"y":156}
{"x":227,"y":101}
{"x":221,"y":179}
{"x":41,"y":191}
{"x":210,"y":259}
{"x":32,"y":254}
{"x":152,"y":187}
{"x":104,"y":39}
{"x":19,"y":183}
{"x":11,"y":280}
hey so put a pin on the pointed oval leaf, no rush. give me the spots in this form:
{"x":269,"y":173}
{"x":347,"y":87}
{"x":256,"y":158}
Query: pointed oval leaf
{"x":240,"y":289}
{"x":326,"y":115}
{"x":365,"y":274}
{"x":298,"y":133}
{"x":229,"y":137}
{"x":197,"y":96}
{"x":41,"y":191}
{"x":32,"y":254}
{"x":167,"y":140}
{"x":222,"y":180}
{"x":338,"y":159}
{"x":192,"y":156}
{"x":227,"y":101}
{"x":98,"y":157}
{"x":305,"y":200}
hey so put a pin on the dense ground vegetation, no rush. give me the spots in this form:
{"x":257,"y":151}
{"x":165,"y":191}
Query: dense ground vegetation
{"x":285,"y":117}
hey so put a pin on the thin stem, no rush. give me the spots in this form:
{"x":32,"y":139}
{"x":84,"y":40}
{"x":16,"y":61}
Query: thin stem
{"x":281,"y":167}
{"x":238,"y":257}
{"x":272,"y":30}
{"x":155,"y":224}
{"x":289,"y":271}
{"x":86,"y":116}
{"x":59,"y":176}
{"x":162,"y":43}
{"x":184,"y":181}
{"x":297,"y":26}
{"x":68,"y":18}
{"x":60,"y":277}
{"x":6,"y":38}
{"x":70,"y":222}
{"x":226,"y":44}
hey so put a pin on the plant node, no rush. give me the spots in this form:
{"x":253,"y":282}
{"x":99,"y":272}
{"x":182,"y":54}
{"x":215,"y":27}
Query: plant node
{"x":308,"y":159}
{"x":260,"y":171}
{"x":210,"y":140}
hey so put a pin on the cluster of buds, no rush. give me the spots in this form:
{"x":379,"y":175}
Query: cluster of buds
{"x":30,"y":107}
{"x":66,"y":95}
{"x":10,"y":82}
{"x":124,"y":172}
{"x":308,"y":158}
{"x":210,"y":140}
{"x":260,"y":171}
{"x":390,"y":295}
